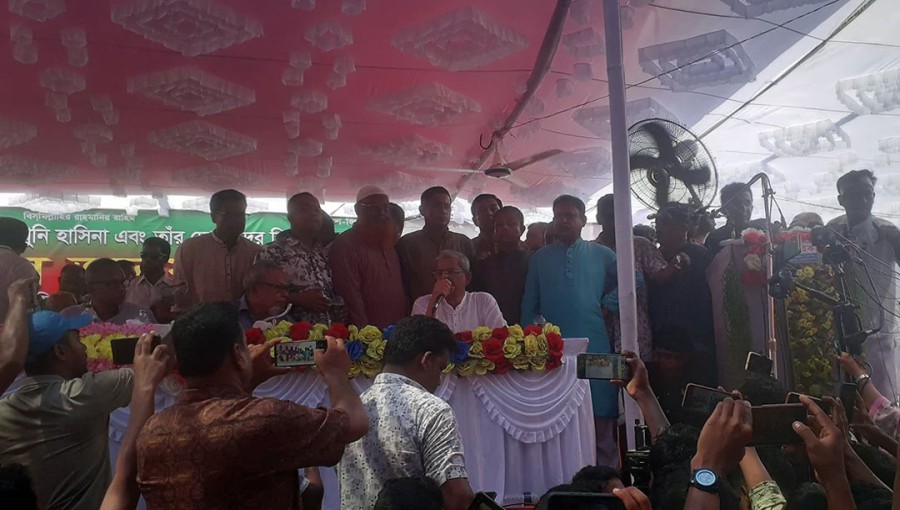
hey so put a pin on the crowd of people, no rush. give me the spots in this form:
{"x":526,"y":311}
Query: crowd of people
{"x":220,"y":447}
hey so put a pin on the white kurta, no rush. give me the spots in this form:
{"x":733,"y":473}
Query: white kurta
{"x":879,"y":258}
{"x":476,"y":309}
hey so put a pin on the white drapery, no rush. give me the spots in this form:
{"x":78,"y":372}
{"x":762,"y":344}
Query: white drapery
{"x":523,"y":432}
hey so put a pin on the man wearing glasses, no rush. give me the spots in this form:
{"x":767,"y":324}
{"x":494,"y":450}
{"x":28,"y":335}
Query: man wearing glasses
{"x":106,"y":285}
{"x":266,"y":291}
{"x":154,"y":289}
{"x":451,"y":304}
{"x":213,"y":265}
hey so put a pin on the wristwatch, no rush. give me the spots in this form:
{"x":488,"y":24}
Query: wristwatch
{"x":705,"y":480}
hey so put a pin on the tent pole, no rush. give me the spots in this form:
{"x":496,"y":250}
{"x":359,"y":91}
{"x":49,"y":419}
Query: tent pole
{"x":622,"y":193}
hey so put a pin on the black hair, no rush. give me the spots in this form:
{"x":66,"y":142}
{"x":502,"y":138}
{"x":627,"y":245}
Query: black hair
{"x":645,"y":231}
{"x":670,"y":490}
{"x":606,"y":207}
{"x":515,"y":211}
{"x":303,"y":194}
{"x":16,"y":490}
{"x":881,"y":463}
{"x":763,"y":389}
{"x":870,"y":497}
{"x":417,"y":335}
{"x":220,"y":198}
{"x":326,"y":233}
{"x":808,"y":496}
{"x":485,"y":196}
{"x":98,"y":266}
{"x":14,"y":234}
{"x":204,"y":336}
{"x":674,"y":211}
{"x":410,"y":493}
{"x":432,"y":192}
{"x":856,"y":176}
{"x":675,"y":446}
{"x":731,"y":190}
{"x":126,"y":265}
{"x":594,"y":478}
{"x":72,"y":267}
{"x":164,"y":247}
{"x":397,"y":213}
{"x":571,"y":200}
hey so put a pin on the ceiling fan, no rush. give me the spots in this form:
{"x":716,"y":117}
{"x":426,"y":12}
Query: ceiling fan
{"x":500,"y":169}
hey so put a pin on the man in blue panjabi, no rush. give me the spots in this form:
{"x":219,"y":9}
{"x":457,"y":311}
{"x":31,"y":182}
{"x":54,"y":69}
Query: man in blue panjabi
{"x":566,"y":283}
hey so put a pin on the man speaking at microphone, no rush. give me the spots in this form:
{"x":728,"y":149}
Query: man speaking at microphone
{"x":877,"y":244}
{"x":451,"y":304}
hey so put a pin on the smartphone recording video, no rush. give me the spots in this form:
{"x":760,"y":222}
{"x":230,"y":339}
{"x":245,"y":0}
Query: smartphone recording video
{"x":603,"y":367}
{"x":773,"y":425}
{"x":297,"y":354}
{"x":758,"y":364}
{"x":123,"y":349}
{"x":794,"y":398}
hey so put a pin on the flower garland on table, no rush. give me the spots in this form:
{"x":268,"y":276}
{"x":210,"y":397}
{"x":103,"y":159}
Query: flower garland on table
{"x":479,"y":352}
{"x":811,"y":331}
{"x":96,"y":338}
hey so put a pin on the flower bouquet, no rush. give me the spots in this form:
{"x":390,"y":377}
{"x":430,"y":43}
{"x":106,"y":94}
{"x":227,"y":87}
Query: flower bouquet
{"x":811,"y":333}
{"x":479,"y":352}
{"x":96,"y":338}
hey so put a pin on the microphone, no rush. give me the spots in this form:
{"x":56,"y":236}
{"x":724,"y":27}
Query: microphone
{"x":437,"y":303}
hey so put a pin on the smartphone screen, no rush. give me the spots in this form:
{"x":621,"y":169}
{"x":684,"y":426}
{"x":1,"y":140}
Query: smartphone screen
{"x":773,"y":425}
{"x":758,"y":364}
{"x":602,"y":366}
{"x":794,"y":398}
{"x":701,"y":399}
{"x":583,"y":501}
{"x":297,"y":354}
{"x":123,"y":349}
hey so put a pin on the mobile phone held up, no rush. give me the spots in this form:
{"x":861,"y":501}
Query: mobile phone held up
{"x":485,"y":501}
{"x":794,"y":398}
{"x":123,"y":349}
{"x":773,"y":425}
{"x":297,"y":354}
{"x":603,"y":367}
{"x":758,"y":364}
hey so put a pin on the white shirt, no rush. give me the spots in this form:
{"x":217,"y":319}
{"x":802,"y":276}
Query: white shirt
{"x":411,"y":433}
{"x":145,"y":294}
{"x":476,"y":309}
{"x":13,"y":267}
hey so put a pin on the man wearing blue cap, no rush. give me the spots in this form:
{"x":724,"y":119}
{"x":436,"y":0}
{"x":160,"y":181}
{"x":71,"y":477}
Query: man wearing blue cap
{"x":56,"y":423}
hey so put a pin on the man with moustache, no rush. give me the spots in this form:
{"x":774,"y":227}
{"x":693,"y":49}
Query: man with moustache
{"x":266,"y":290}
{"x":365,"y":266}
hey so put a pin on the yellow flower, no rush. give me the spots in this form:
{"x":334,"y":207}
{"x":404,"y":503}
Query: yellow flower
{"x":542,"y":347}
{"x":352,"y":333}
{"x":370,"y":334}
{"x":355,"y":370}
{"x":511,"y":348}
{"x":482,"y":333}
{"x":539,"y":366}
{"x":516,"y":332}
{"x":520,"y":363}
{"x":321,"y":328}
{"x":449,"y":368}
{"x":550,"y":328}
{"x":315,"y":334}
{"x":282,"y":328}
{"x":476,"y":350}
{"x":371,"y":367}
{"x":375,"y":350}
{"x":467,"y":367}
{"x":531,"y":345}
{"x":483,"y":366}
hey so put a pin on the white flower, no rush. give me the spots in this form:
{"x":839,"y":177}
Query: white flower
{"x":263,"y":325}
{"x":754,"y":263}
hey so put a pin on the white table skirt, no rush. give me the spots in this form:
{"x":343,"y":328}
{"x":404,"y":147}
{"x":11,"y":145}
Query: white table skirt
{"x":523,"y":432}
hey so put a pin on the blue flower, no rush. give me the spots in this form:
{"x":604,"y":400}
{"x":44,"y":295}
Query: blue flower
{"x":462,"y":352}
{"x":387,"y":332}
{"x":355,"y":349}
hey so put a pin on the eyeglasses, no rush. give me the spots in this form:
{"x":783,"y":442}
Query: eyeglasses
{"x":145,"y":255}
{"x":449,"y":273}
{"x":277,"y":288}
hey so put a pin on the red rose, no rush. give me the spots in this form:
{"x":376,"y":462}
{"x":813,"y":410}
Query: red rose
{"x":493,"y":351}
{"x":338,"y":330}
{"x":533,"y":330}
{"x":500,"y":334}
{"x":464,"y":336}
{"x":553,"y":362}
{"x":555,"y":344}
{"x":255,"y":336}
{"x":501,"y":366}
{"x":300,"y":331}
